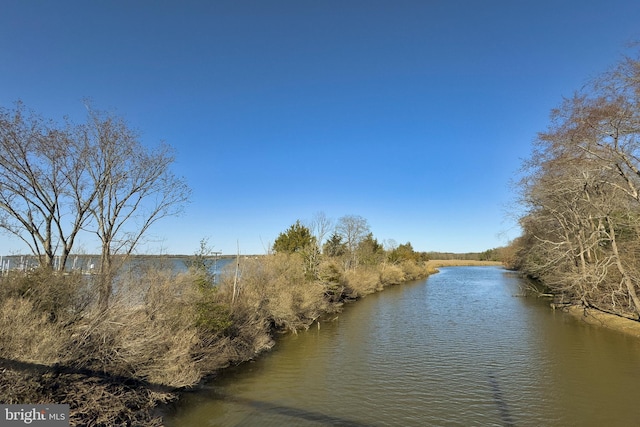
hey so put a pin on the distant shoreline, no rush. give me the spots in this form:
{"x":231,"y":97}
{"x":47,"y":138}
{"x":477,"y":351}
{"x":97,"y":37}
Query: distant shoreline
{"x":436,"y":263}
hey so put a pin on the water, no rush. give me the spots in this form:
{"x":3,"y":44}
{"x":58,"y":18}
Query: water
{"x":459,"y":349}
{"x":89,"y":264}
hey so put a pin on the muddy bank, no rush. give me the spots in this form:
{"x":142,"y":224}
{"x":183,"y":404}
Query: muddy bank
{"x":606,"y":320}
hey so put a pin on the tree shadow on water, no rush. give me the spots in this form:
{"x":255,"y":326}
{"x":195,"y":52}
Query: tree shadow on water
{"x":297,"y":413}
{"x":498,"y":398}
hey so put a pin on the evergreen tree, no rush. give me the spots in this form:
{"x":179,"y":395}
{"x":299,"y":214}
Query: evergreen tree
{"x":334,"y":247}
{"x":370,"y":251}
{"x":295,"y":239}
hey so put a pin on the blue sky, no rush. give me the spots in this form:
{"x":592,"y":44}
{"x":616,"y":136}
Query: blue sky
{"x":412,"y":114}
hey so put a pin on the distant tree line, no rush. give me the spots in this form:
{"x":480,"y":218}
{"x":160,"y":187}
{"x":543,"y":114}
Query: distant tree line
{"x":495,"y":254}
{"x":581,"y":195}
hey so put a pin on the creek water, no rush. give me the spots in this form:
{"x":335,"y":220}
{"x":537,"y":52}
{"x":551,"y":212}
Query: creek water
{"x":458,"y":349}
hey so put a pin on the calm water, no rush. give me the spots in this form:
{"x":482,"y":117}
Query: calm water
{"x":458,"y":349}
{"x":90,"y":263}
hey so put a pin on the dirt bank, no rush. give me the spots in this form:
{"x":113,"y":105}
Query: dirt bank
{"x":606,"y":320}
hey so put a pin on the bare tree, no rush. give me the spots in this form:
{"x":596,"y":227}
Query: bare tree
{"x":320,"y":225}
{"x":134,"y":189}
{"x":390,"y":244}
{"x":353,"y":229}
{"x":43,"y":197}
{"x":57,"y":180}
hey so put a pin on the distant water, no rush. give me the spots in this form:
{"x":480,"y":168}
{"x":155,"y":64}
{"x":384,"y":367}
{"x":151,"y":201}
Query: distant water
{"x":90,"y":263}
{"x":458,"y":349}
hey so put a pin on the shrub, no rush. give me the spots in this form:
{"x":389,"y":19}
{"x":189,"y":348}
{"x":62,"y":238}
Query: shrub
{"x":276,"y":287}
{"x":362,"y":281}
{"x":391,"y":275}
{"x":57,"y":295}
{"x":151,"y":340}
{"x":414,"y":270}
{"x":212,"y":317}
{"x":331,"y":276}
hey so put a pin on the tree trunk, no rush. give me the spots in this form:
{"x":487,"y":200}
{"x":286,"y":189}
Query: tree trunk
{"x":106,"y":278}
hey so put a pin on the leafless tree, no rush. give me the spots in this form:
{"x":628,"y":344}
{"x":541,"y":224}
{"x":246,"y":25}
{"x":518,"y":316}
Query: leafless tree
{"x":353,"y":229}
{"x":57,"y":180}
{"x":134,"y":189}
{"x":43,"y":196}
{"x":320,"y":226}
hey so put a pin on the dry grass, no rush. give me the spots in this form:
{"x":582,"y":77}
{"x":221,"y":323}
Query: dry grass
{"x":391,"y":274}
{"x":27,"y":334}
{"x":147,"y":333}
{"x":105,"y":364}
{"x":362,"y":281}
{"x":415,"y":270}
{"x":94,"y":400}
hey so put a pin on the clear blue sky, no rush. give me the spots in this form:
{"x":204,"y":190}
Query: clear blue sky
{"x":412,"y":114}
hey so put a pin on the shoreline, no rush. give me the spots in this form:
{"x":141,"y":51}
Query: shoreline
{"x":434,"y":264}
{"x":605,"y":320}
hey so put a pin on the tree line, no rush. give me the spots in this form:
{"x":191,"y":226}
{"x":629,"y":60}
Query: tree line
{"x":580,"y":192}
{"x":58,"y":180}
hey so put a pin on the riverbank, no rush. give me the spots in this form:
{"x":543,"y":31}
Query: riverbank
{"x":605,"y":320}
